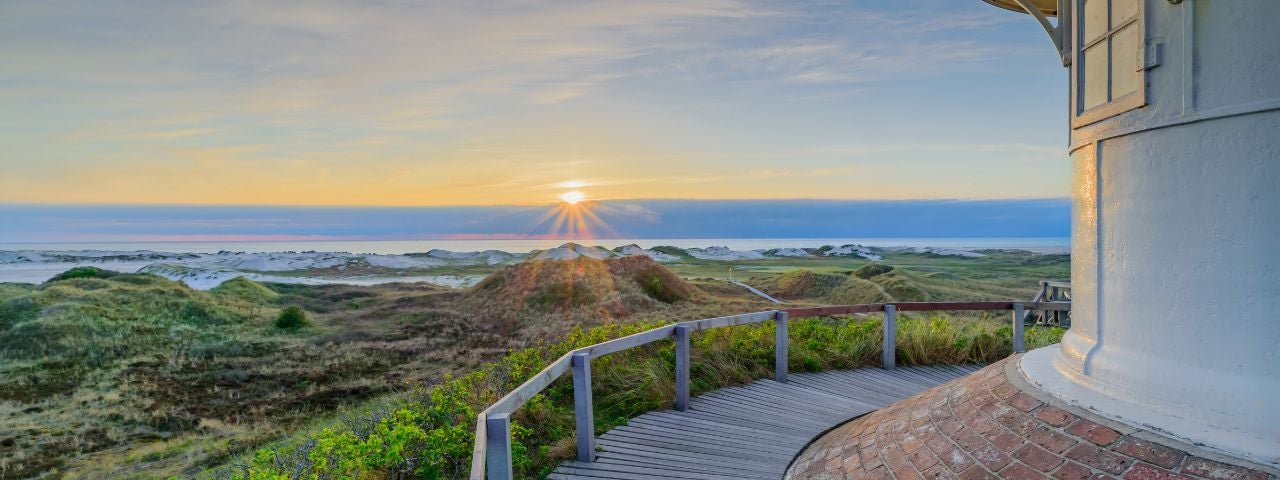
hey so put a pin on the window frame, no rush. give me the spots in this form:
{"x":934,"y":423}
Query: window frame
{"x":1114,"y":106}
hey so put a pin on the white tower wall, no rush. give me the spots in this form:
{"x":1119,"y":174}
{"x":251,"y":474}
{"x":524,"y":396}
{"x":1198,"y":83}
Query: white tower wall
{"x":1176,"y":237}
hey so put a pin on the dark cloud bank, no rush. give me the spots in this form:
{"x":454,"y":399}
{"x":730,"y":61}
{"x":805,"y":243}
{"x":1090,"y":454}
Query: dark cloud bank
{"x":627,"y":219}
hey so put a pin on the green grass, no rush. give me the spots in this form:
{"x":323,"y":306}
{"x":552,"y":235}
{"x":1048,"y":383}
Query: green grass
{"x":136,"y":376}
{"x":429,"y":432}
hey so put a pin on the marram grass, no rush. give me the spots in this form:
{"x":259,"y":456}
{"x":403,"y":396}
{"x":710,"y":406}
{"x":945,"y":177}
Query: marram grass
{"x":428,"y":433}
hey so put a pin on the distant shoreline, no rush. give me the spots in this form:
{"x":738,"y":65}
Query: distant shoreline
{"x":292,"y":262}
{"x":399,"y":247}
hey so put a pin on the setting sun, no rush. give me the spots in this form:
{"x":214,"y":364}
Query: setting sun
{"x":572,"y":197}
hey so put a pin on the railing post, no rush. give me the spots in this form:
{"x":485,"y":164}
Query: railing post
{"x":498,"y":433}
{"x":781,"y":342}
{"x":682,"y":367}
{"x":1045,"y":297}
{"x":1057,"y":315}
{"x":583,"y":414}
{"x":1018,"y":329}
{"x":888,"y":358}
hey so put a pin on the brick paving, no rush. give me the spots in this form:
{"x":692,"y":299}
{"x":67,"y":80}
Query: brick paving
{"x":983,"y":427}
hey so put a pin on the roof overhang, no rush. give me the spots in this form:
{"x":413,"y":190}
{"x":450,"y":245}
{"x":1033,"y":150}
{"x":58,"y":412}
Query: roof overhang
{"x":1047,"y":7}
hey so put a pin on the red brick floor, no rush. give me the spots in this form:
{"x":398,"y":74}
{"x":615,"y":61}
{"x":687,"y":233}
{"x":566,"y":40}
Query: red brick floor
{"x":984,"y":426}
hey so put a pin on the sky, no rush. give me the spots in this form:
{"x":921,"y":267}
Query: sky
{"x":512,"y":103}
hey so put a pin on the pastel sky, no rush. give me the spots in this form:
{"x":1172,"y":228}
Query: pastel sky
{"x":428,"y":103}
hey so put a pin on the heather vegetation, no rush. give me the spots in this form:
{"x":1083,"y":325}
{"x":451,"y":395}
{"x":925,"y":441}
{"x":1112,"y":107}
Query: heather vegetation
{"x":136,"y":376}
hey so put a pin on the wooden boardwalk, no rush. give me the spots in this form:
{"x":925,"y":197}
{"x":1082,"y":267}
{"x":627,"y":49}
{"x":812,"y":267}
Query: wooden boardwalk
{"x":751,"y":431}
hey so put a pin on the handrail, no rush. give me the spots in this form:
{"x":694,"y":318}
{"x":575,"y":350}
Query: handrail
{"x":492,"y":450}
{"x":1052,"y":291}
{"x":924,"y":307}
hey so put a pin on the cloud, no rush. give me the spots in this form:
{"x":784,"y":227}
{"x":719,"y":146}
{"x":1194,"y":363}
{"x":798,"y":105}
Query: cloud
{"x":390,"y":102}
{"x":170,"y":134}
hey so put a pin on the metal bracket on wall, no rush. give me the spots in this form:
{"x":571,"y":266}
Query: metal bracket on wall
{"x":1059,"y":34}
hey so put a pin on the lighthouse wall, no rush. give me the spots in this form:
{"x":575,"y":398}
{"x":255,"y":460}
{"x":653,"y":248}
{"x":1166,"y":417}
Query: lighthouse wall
{"x":1176,"y":238}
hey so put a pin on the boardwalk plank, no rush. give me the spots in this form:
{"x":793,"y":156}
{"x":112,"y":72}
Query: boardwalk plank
{"x":750,"y":431}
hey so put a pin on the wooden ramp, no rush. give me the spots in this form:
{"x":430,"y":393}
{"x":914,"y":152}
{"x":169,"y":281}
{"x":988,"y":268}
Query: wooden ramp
{"x":750,"y":431}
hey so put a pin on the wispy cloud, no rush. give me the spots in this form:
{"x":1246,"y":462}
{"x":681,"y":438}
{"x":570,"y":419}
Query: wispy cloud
{"x":328,"y":101}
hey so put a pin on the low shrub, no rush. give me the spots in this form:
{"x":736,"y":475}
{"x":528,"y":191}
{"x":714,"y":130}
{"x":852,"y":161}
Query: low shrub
{"x":83,"y":272}
{"x":291,"y":318}
{"x":872,"y":269}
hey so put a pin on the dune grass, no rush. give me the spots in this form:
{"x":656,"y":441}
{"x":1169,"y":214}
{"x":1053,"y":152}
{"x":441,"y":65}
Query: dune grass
{"x":429,"y":432}
{"x":136,"y":376}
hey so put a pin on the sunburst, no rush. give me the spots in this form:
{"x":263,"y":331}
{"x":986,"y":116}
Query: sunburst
{"x":574,"y":217}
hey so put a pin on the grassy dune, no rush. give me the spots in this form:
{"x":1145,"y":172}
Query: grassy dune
{"x":136,"y":376}
{"x":133,"y":375}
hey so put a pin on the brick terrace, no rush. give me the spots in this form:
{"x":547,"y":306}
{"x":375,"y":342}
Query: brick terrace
{"x":983,"y":426}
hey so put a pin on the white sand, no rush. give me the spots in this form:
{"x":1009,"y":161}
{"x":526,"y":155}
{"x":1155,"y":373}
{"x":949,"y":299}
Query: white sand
{"x":853,"y":251}
{"x":724,"y":253}
{"x":207,"y":270}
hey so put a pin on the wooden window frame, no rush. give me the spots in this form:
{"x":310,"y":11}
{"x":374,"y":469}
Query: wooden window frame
{"x":1114,"y":106}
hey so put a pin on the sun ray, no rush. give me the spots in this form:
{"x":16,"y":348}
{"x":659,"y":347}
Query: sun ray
{"x":575,"y":217}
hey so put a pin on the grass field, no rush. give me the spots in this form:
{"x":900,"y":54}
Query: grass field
{"x":135,"y":376}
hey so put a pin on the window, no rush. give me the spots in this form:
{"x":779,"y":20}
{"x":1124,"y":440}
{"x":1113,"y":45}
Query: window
{"x":1109,"y":73}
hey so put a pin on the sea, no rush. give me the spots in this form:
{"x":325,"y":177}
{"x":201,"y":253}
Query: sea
{"x":392,"y":247}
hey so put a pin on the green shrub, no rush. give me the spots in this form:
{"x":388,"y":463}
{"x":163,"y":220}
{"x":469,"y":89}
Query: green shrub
{"x":83,"y":272}
{"x":872,"y":269}
{"x":291,"y":318}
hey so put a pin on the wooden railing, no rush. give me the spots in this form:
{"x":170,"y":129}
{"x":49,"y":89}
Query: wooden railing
{"x":1051,"y":291}
{"x":492,"y":453}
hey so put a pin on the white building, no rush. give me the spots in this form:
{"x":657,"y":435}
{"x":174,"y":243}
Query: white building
{"x":1175,"y":140}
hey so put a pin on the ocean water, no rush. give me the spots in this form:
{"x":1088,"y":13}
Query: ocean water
{"x":390,"y":247}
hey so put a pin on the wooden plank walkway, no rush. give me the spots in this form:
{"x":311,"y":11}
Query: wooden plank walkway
{"x":750,"y":431}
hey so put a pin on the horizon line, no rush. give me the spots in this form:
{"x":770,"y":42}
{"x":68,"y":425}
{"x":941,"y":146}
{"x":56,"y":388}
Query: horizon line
{"x":540,"y":204}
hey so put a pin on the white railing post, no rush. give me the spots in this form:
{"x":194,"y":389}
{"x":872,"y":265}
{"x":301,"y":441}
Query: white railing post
{"x":583,"y":415}
{"x":888,"y":357}
{"x":781,"y":342}
{"x":1018,"y":329}
{"x":498,"y":434}
{"x":682,"y":367}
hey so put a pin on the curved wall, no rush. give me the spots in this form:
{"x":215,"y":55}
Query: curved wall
{"x":1176,"y":239}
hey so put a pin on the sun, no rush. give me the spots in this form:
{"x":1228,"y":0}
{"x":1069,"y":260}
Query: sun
{"x":572,"y":197}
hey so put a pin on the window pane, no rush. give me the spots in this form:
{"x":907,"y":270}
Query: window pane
{"x":1094,"y":19}
{"x":1122,"y":10}
{"x":1095,"y":76}
{"x":1125,"y":46}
